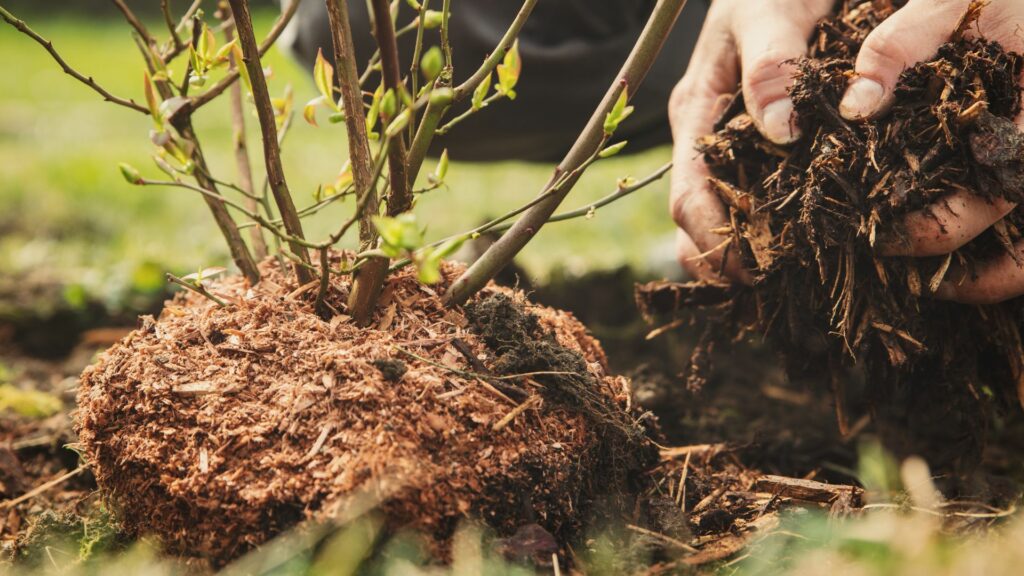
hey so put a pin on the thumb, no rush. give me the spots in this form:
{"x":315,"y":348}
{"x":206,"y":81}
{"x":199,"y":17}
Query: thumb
{"x":911,"y":35}
{"x":770,"y":38}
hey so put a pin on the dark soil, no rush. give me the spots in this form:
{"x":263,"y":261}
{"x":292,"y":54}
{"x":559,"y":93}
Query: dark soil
{"x":805,"y":220}
{"x":217,"y":428}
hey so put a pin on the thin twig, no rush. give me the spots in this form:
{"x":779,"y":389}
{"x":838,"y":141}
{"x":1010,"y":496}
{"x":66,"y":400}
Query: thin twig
{"x":437,"y":109}
{"x":135,"y":23}
{"x":640,"y":60}
{"x":165,"y":9}
{"x":7,"y":505}
{"x":241,"y":148}
{"x":268,"y":127}
{"x":508,"y":418}
{"x":279,"y":25}
{"x":87,"y":80}
{"x":662,"y":538}
{"x":197,"y":288}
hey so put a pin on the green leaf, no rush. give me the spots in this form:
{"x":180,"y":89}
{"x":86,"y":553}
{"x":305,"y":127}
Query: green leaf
{"x":428,"y":269}
{"x":431,"y":63}
{"x":432,"y":19}
{"x":398,"y":124}
{"x":450,"y":247}
{"x":399,"y":234}
{"x":309,"y":110}
{"x":388,"y":105}
{"x":224,"y":51}
{"x":29,"y":403}
{"x":414,"y":5}
{"x":195,"y":60}
{"x":481,"y":92}
{"x":207,"y":41}
{"x":197,"y":278}
{"x":508,"y":72}
{"x":428,"y":260}
{"x":164,"y":166}
{"x":442,"y":166}
{"x":442,"y":96}
{"x":243,"y":72}
{"x":374,"y":112}
{"x":323,"y":75}
{"x":612,"y":150}
{"x":152,"y":101}
{"x":619,"y":112}
{"x":131,"y":175}
{"x":336,"y":117}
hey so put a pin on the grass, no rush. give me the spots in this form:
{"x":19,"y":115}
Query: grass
{"x":68,"y":214}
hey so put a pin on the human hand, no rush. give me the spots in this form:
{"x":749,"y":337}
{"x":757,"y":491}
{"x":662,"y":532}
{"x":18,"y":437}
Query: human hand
{"x":749,"y":40}
{"x":913,"y":34}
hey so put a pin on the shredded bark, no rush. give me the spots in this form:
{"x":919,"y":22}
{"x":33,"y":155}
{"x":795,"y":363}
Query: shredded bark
{"x":216,"y":428}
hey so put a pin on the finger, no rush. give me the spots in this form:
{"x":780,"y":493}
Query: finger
{"x":695,"y":104}
{"x":911,"y":35}
{"x":944,"y":226}
{"x":993,"y":281}
{"x":690,"y":259}
{"x":769,"y":37}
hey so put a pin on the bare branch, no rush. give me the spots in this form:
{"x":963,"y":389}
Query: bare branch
{"x":241,"y":148}
{"x":165,"y":8}
{"x":660,"y":23}
{"x":369,"y":279}
{"x":135,"y":23}
{"x":87,"y":80}
{"x":399,"y":199}
{"x":268,"y":127}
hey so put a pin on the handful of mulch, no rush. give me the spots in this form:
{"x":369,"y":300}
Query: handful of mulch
{"x":805,"y":220}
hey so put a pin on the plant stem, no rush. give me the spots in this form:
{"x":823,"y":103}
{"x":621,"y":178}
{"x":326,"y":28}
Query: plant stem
{"x":268,"y":127}
{"x":239,"y":251}
{"x":176,"y":43}
{"x":369,"y":279}
{"x":435,"y":111}
{"x":135,"y":23}
{"x":399,"y":199}
{"x":200,"y":289}
{"x":259,"y":244}
{"x":634,"y":70}
{"x":272,"y":36}
{"x":182,"y":122}
{"x":87,"y":80}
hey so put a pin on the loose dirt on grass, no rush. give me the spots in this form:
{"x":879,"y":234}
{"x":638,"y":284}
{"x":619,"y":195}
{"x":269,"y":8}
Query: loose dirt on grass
{"x":808,"y":221}
{"x":216,"y":428}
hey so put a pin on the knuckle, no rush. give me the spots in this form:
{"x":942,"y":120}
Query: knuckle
{"x":768,"y":76}
{"x":883,"y":50}
{"x":682,"y":93}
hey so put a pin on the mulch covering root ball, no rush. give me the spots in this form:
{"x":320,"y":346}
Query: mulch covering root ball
{"x":216,"y":428}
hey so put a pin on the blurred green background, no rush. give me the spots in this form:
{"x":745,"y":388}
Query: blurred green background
{"x":68,"y":219}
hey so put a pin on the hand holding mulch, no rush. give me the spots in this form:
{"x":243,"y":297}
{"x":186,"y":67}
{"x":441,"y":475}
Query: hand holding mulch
{"x":850,"y":231}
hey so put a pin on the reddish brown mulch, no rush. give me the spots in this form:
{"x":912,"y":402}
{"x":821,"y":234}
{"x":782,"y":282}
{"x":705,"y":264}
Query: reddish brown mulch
{"x":216,"y":428}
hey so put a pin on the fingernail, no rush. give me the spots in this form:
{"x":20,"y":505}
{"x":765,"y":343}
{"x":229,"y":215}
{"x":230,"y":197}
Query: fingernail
{"x":863,"y":98}
{"x":779,"y":125}
{"x":946,"y":291}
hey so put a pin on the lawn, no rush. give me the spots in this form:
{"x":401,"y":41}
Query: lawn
{"x":67,"y":214}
